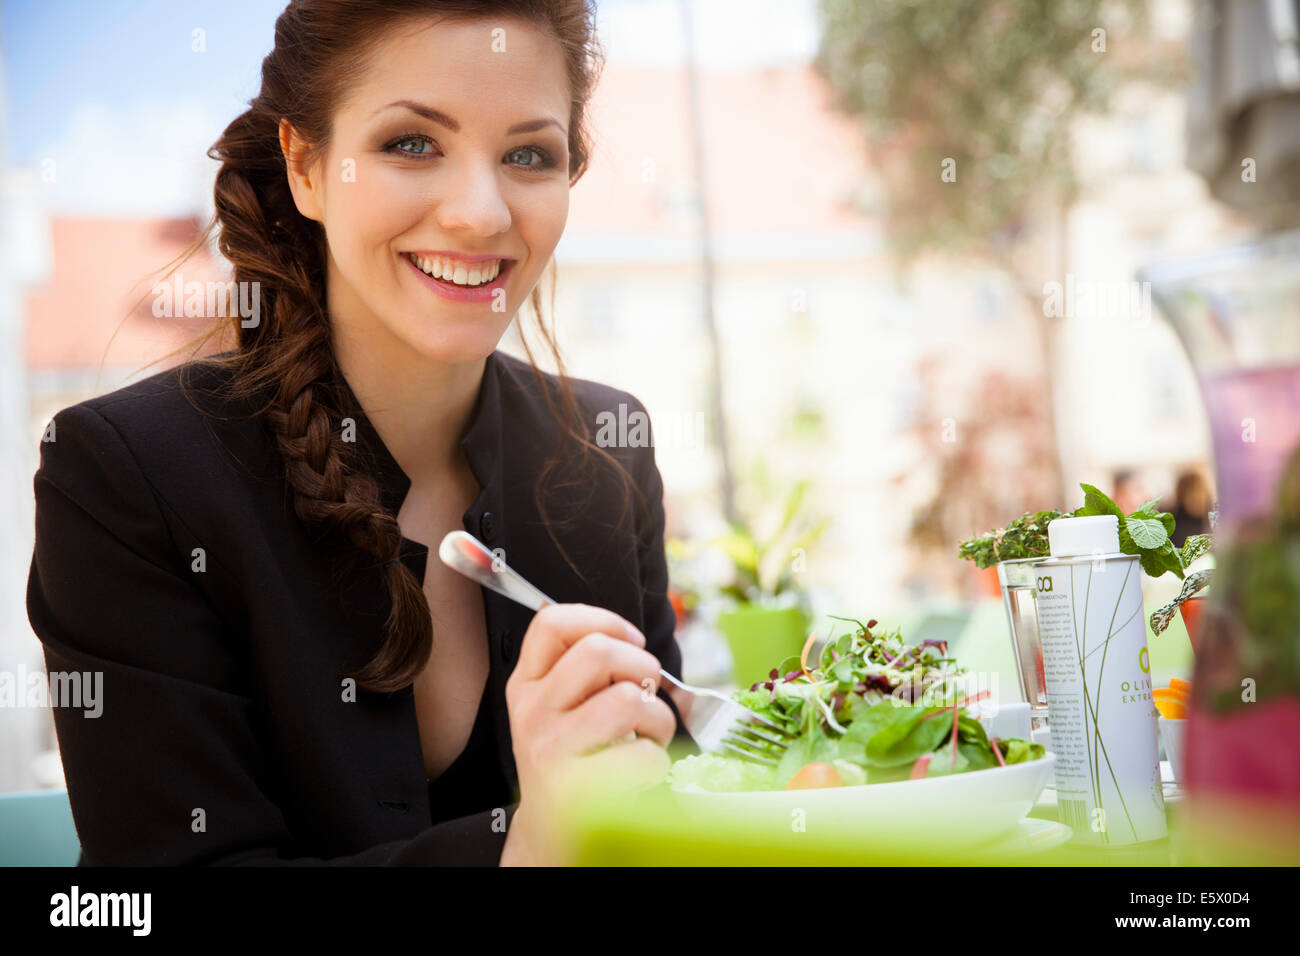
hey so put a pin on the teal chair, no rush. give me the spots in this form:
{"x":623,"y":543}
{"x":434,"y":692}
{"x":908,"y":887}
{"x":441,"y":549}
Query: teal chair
{"x":36,"y":829}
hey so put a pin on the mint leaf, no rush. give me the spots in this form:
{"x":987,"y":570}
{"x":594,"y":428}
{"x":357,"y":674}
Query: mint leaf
{"x":1151,"y":564}
{"x":1147,"y":533}
{"x":1159,"y":560}
{"x":1097,"y":502}
{"x":1144,"y":533}
{"x":1126,"y":545}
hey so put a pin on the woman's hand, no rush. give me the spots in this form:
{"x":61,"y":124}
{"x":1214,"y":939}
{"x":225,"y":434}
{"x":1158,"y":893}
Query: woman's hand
{"x":583,"y":681}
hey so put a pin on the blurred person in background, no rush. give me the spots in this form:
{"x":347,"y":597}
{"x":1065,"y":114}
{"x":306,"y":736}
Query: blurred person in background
{"x":1191,"y":505}
{"x":1127,"y":493}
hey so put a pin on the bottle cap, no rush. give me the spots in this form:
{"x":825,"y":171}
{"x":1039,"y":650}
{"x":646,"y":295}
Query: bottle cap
{"x":1072,"y":537}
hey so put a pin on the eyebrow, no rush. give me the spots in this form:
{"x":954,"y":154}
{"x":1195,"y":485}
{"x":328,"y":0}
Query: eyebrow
{"x":442,"y":119}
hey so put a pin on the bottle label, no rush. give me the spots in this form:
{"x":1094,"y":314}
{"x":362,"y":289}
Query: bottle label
{"x":1099,"y":703}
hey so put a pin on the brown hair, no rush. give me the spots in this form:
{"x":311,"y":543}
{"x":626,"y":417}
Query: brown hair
{"x":322,"y":47}
{"x":1192,"y":493}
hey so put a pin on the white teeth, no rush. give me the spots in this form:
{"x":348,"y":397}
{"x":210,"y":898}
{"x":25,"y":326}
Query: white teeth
{"x":458,"y":272}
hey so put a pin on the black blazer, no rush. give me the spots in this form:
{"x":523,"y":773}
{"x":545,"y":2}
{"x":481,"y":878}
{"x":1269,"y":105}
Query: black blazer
{"x":223,"y":735}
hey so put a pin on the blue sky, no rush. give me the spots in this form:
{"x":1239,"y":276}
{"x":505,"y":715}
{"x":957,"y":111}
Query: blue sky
{"x":89,"y":84}
{"x":58,"y":53}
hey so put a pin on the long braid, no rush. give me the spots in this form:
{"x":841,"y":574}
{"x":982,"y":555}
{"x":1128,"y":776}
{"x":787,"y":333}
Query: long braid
{"x":289,"y":355}
{"x":326,"y":491}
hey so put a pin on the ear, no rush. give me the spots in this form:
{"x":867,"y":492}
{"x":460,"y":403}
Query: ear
{"x":304,"y":184}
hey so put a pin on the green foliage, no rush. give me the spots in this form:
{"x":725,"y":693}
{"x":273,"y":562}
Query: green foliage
{"x":1257,"y":588}
{"x":764,"y":564}
{"x":1025,"y":537}
{"x":993,"y":86}
{"x":1144,"y":533}
{"x":1194,"y":547}
{"x":1192,"y":584}
{"x":1254,"y":636}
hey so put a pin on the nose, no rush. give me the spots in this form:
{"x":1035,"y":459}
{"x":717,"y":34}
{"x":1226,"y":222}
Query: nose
{"x":473,"y":202}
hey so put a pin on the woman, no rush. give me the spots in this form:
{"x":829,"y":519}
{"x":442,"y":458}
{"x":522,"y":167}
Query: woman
{"x":1191,"y":507}
{"x":239,"y":549}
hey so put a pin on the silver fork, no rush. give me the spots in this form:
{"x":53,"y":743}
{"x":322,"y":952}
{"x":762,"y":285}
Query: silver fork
{"x":715,"y":722}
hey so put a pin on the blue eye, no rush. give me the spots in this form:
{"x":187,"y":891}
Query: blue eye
{"x":544,"y":158}
{"x":408,"y":138}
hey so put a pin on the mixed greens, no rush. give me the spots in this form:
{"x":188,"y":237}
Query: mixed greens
{"x":871,"y":710}
{"x":1024,"y":537}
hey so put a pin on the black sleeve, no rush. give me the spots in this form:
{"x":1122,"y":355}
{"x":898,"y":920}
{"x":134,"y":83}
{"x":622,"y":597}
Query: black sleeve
{"x":108,"y":594}
{"x":659,"y":620}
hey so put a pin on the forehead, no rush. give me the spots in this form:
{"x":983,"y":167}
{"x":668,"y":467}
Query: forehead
{"x":501,"y":62}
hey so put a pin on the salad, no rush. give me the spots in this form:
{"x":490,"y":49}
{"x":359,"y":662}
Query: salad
{"x":871,"y":710}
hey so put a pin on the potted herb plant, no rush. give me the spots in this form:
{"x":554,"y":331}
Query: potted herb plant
{"x":1014,"y":548}
{"x":768,"y":619}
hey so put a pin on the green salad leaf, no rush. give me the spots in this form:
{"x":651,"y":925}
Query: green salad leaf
{"x":872,"y":707}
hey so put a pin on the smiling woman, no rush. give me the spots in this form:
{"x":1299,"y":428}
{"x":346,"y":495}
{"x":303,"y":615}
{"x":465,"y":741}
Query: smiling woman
{"x":301,"y":684}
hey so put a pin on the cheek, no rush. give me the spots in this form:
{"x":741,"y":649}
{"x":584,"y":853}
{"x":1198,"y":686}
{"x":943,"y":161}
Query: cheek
{"x":540,"y":217}
{"x":368,"y":211}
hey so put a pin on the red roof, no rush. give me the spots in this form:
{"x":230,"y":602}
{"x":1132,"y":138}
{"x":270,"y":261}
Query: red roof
{"x":101,"y":269}
{"x":779,"y":158}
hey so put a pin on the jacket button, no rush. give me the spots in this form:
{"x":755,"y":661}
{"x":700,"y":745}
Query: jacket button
{"x":507,"y":645}
{"x":487,"y":526}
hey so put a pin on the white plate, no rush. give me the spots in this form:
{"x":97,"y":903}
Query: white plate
{"x":957,"y":810}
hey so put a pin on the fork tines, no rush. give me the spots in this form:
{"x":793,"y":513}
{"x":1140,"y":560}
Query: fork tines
{"x":746,"y":739}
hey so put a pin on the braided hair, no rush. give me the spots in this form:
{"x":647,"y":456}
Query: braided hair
{"x":287,"y":358}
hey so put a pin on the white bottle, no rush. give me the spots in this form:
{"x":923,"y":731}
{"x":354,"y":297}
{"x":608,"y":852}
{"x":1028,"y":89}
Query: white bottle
{"x":1098,"y":675}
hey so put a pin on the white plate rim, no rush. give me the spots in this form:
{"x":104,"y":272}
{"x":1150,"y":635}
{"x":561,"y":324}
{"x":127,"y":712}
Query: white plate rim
{"x":1048,"y":759}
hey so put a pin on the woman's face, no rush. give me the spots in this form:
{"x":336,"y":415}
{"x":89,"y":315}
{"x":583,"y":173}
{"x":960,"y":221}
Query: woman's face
{"x":452,"y":151}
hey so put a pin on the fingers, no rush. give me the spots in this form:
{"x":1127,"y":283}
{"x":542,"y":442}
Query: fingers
{"x":557,"y":627}
{"x":616,"y":711}
{"x":594,"y":663}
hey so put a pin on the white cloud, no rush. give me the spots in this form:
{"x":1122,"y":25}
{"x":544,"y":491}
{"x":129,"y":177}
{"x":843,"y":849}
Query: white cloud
{"x":146,"y":158}
{"x":728,"y":33}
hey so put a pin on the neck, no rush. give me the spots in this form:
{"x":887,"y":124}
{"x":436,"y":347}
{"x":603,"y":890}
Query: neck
{"x":418,"y":406}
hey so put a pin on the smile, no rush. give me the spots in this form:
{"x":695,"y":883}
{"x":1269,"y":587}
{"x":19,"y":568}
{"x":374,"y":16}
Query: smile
{"x":460,"y":273}
{"x":458,"y":280}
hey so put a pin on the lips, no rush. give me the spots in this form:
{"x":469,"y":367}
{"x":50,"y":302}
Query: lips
{"x":457,"y":271}
{"x":484,"y":291}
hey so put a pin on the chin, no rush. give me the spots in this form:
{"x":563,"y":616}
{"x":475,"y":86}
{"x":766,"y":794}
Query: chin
{"x":456,"y":342}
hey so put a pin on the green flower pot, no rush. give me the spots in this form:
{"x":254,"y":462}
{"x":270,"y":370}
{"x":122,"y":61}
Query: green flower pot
{"x":760,"y":638}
